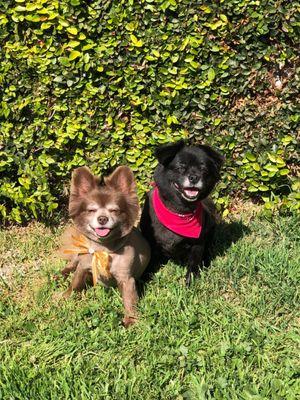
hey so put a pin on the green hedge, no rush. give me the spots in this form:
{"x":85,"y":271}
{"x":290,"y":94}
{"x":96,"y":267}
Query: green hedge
{"x":102,"y":82}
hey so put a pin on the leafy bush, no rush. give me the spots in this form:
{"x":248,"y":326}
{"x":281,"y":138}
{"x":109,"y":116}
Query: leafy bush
{"x":102,"y":82}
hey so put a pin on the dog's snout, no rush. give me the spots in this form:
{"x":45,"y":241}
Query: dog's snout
{"x":193,"y":178}
{"x":102,"y":220}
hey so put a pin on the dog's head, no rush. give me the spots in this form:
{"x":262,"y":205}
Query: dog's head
{"x":186,"y":174}
{"x":103,"y":212}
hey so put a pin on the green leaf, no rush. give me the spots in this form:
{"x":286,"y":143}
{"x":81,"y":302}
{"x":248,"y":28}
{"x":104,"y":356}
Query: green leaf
{"x":224,"y":18}
{"x":271,"y":168}
{"x":33,"y":18}
{"x":211,"y":74}
{"x":263,"y":188}
{"x":215,"y":25}
{"x":252,"y":189}
{"x":64,"y":61}
{"x":46,"y":25}
{"x":206,"y":9}
{"x":72,"y":30}
{"x":73,"y":43}
{"x":172,"y":119}
{"x":272,"y":157}
{"x":250,"y":156}
{"x":284,"y":171}
{"x":52,"y":206}
{"x":74,"y":54}
{"x":195,"y":64}
{"x":169,"y":120}
{"x":131,"y":26}
{"x":135,"y":41}
{"x":31,"y":7}
{"x":287,"y":139}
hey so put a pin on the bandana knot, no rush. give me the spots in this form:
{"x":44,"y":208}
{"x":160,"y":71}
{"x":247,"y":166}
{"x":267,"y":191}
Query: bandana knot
{"x":100,"y":259}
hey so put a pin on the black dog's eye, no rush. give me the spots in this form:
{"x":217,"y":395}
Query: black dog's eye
{"x":180,"y":168}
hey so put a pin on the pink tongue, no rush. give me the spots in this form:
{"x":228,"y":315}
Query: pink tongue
{"x":191,"y":192}
{"x":102,"y":231}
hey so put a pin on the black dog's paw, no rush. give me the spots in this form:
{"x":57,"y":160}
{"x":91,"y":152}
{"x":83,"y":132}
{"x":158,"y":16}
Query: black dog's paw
{"x":191,"y":275}
{"x":188,"y":279}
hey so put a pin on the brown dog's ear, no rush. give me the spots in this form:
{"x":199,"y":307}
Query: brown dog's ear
{"x":122,"y":179}
{"x":167,"y":152}
{"x":83,"y":181}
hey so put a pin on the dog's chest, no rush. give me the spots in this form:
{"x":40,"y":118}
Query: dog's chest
{"x":171,"y":244}
{"x":122,"y":264}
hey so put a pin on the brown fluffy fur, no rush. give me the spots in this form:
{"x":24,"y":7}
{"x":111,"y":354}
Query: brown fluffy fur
{"x":110,"y":207}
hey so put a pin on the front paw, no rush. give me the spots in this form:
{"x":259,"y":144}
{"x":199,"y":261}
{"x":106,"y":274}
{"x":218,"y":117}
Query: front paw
{"x":58,"y":296}
{"x":191,"y":275}
{"x":189,"y":278}
{"x":128,"y":321}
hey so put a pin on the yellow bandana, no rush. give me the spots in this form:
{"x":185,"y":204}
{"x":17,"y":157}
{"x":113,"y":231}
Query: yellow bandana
{"x":100,"y":260}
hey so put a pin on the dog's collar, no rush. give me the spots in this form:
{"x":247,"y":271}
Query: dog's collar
{"x":186,"y":225}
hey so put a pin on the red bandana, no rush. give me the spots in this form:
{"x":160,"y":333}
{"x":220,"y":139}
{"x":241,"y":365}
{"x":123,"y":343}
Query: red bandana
{"x":187,"y":225}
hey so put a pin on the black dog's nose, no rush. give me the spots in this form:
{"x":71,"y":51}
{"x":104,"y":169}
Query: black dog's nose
{"x":193,"y":178}
{"x":102,"y":220}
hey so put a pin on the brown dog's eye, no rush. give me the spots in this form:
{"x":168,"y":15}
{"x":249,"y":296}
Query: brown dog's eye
{"x":114,"y":210}
{"x":91,"y":210}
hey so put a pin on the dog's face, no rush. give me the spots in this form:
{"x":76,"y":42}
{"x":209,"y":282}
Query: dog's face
{"x":187,"y":174}
{"x":103,"y":212}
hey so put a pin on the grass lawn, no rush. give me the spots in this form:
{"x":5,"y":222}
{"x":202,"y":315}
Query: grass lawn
{"x":232,"y":335}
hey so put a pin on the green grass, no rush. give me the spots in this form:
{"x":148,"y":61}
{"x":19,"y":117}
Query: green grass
{"x":233,"y":335}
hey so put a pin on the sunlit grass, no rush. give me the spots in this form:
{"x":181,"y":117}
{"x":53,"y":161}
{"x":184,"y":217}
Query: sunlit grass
{"x":232,"y":335}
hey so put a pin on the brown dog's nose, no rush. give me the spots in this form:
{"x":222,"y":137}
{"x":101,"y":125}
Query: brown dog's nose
{"x":102,"y":220}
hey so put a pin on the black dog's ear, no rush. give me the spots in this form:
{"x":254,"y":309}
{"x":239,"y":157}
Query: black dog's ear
{"x":167,"y":152}
{"x":214,"y":155}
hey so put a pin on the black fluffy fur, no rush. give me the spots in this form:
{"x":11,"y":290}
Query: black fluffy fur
{"x":177,"y":164}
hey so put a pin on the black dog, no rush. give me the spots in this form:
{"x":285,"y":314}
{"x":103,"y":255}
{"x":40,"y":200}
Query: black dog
{"x":178,"y":219}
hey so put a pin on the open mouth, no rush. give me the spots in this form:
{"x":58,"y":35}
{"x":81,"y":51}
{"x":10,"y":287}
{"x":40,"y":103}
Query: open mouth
{"x":102,"y":232}
{"x":188,"y":193}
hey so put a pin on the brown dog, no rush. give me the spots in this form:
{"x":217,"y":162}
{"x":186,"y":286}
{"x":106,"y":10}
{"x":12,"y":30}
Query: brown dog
{"x":104,"y":246}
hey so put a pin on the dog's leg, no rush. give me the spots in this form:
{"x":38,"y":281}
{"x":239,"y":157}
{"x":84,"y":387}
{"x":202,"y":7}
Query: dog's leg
{"x":79,"y":281}
{"x":195,"y":261}
{"x":207,"y":255}
{"x":130,"y":299}
{"x":70,"y":267}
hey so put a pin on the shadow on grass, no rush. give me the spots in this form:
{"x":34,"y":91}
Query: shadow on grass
{"x":226,"y":234}
{"x":57,"y":219}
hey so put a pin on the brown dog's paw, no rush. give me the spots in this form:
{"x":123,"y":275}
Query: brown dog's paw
{"x":128,"y":321}
{"x":67,"y":293}
{"x":58,"y":296}
{"x":62,"y":295}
